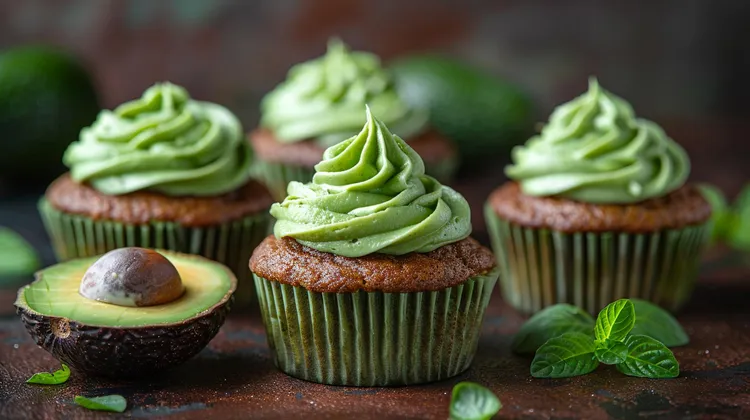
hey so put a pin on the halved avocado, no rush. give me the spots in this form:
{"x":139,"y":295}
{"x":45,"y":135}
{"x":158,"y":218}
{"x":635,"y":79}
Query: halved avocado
{"x":109,"y":339}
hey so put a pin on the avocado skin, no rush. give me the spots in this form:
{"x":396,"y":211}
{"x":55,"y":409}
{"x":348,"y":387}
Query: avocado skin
{"x":124,"y":352}
{"x":46,"y":98}
{"x":484,"y":115}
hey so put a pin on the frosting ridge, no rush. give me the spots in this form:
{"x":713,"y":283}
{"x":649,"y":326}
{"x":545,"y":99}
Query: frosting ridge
{"x":370,"y":194}
{"x":594,"y":149}
{"x":164,"y":142}
{"x":322,"y":99}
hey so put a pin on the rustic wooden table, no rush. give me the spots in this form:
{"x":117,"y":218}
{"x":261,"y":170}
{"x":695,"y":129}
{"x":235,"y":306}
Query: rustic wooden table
{"x":234,"y":378}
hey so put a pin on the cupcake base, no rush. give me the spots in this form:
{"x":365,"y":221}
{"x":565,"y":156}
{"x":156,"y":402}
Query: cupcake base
{"x":374,"y":338}
{"x":542,"y":267}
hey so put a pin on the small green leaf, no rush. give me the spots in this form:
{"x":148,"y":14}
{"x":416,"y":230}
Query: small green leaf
{"x":657,"y":323}
{"x":615,"y":321}
{"x":551,"y":322}
{"x":17,"y":257}
{"x":472,"y":401}
{"x":648,"y":358}
{"x":571,"y":354}
{"x":611,"y":352}
{"x":115,"y":403}
{"x":55,"y":378}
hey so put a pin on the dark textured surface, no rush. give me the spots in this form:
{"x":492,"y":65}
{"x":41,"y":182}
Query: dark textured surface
{"x":235,"y":377}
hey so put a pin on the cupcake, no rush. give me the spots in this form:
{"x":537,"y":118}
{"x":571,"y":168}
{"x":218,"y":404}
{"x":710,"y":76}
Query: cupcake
{"x":163,"y":171}
{"x":597,"y":210}
{"x":371,"y":278}
{"x":320,"y":104}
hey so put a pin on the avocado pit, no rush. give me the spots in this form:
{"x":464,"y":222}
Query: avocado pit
{"x":132,"y":277}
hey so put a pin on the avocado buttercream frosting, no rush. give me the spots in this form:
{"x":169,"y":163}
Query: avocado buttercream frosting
{"x":370,"y":194}
{"x":164,"y":142}
{"x":595,"y":150}
{"x":322,"y":99}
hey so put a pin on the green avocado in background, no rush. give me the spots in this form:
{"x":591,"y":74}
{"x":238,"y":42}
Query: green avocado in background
{"x":46,"y":97}
{"x":484,"y":115}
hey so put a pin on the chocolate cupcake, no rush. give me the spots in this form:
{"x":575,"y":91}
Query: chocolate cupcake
{"x":598,"y":210}
{"x":320,"y":104}
{"x":163,"y":171}
{"x":371,"y":278}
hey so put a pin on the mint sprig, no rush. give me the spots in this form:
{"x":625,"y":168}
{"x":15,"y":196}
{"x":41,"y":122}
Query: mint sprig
{"x":471,"y":401}
{"x":648,"y":358}
{"x":551,"y":322}
{"x":655,"y":322}
{"x":611,"y":342}
{"x":571,"y":354}
{"x":730,"y":223}
{"x":615,"y":321}
{"x":611,"y":352}
{"x":721,"y":214}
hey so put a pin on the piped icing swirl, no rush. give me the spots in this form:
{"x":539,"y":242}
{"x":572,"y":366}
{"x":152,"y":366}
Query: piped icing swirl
{"x":594,"y":149}
{"x":164,"y":142}
{"x":370,"y":194}
{"x":322,"y":99}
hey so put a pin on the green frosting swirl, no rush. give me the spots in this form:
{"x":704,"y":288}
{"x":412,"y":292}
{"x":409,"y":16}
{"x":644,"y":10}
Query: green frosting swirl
{"x":322,"y":99}
{"x":595,"y":150}
{"x":370,"y":194}
{"x":163,"y":142}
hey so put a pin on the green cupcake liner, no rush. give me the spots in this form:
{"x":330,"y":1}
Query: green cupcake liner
{"x":276,"y":176}
{"x":374,"y":338}
{"x":75,"y":236}
{"x":542,"y":267}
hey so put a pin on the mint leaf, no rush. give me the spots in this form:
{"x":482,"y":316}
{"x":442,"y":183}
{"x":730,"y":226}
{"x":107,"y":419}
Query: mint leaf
{"x":17,"y":257}
{"x":615,"y":321}
{"x":648,"y":358}
{"x":55,"y":378}
{"x":720,"y":212}
{"x":611,"y":352}
{"x":571,"y":354}
{"x":551,"y":322}
{"x":657,"y":323}
{"x":472,"y":401}
{"x":114,"y":403}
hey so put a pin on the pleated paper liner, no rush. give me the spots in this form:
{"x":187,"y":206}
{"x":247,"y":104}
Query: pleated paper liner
{"x":541,"y":267}
{"x":75,"y":236}
{"x":276,"y":176}
{"x":374,"y":338}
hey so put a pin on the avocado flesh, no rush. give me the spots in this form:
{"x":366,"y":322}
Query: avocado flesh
{"x":55,"y":294}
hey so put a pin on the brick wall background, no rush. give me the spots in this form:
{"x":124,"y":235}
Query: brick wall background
{"x":672,"y":58}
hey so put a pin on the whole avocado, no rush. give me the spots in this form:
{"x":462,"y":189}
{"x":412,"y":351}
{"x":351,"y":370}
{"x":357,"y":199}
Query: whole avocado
{"x":46,"y":97}
{"x":484,"y":115}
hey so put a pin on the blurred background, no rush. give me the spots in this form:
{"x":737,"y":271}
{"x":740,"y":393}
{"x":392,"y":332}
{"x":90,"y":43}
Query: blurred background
{"x":683,"y":63}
